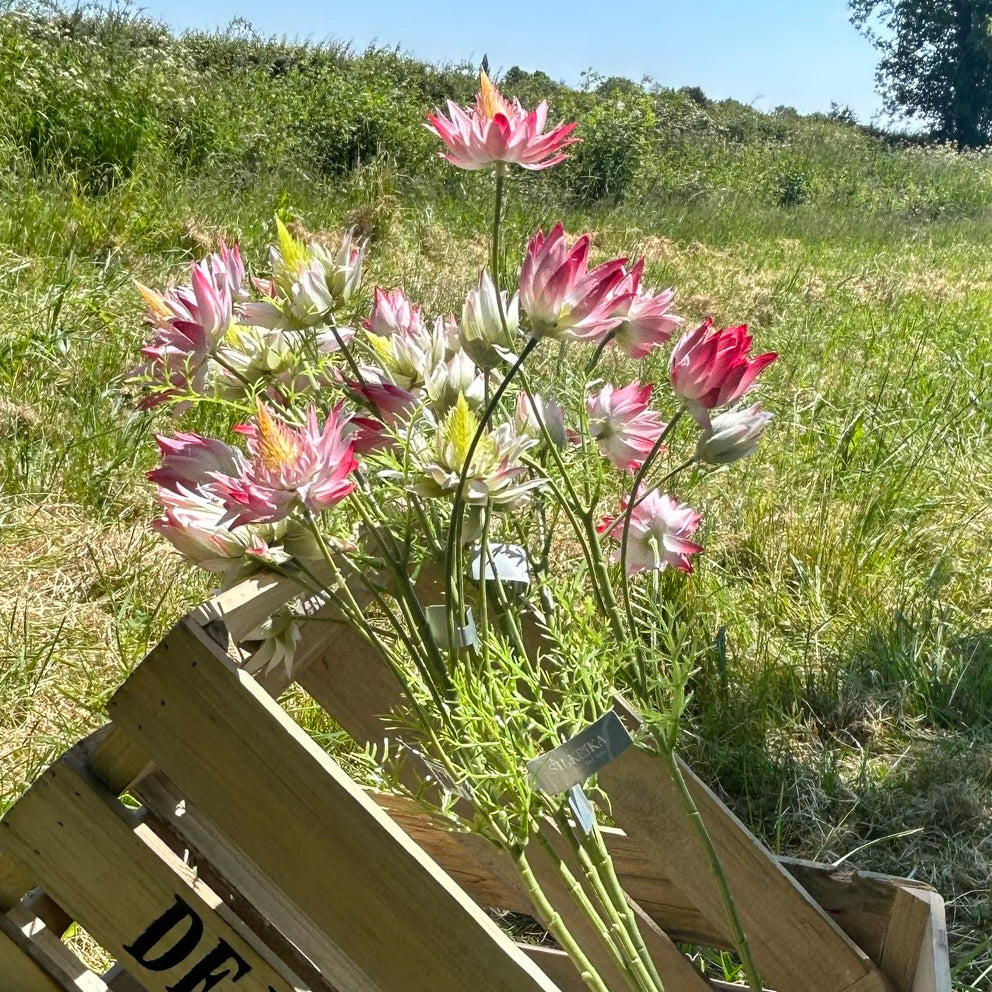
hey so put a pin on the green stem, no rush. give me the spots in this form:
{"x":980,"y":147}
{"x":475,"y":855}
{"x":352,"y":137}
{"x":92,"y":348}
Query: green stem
{"x":604,"y":866}
{"x":737,"y":934}
{"x":458,"y":506}
{"x":555,"y":924}
{"x":433,"y":658}
{"x":617,"y":910}
{"x":584,"y":904}
{"x":600,"y":348}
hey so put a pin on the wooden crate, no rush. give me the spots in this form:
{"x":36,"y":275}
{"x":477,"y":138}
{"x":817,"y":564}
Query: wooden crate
{"x":205,"y":841}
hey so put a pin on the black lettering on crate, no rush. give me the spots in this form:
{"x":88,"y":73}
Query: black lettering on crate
{"x":170,"y":940}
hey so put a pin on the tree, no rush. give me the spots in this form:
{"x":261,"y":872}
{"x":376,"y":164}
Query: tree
{"x":936,"y":63}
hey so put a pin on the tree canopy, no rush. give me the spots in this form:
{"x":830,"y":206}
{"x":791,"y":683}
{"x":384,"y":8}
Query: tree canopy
{"x":936,"y":64}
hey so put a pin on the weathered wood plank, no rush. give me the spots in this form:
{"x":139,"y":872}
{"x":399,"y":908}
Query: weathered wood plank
{"x":119,"y":980}
{"x":860,"y":902}
{"x":915,"y":943}
{"x":307,"y":827}
{"x":19,"y":972}
{"x":119,"y":881}
{"x":276,"y":920}
{"x":15,"y":883}
{"x":780,"y":915}
{"x":244,"y":606}
{"x":43,"y":943}
{"x":115,"y":759}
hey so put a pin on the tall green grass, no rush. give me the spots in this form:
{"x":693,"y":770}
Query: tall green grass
{"x":844,"y":603}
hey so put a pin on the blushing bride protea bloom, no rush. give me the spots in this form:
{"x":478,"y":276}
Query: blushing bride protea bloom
{"x":647,"y":322}
{"x":528,"y":418}
{"x":482,"y":332}
{"x":392,"y":313}
{"x":459,"y":376}
{"x":195,"y":519}
{"x":496,"y":475}
{"x":190,"y":461}
{"x":496,"y":130}
{"x":623,"y":424}
{"x":712,"y":368}
{"x":189,"y":322}
{"x":409,"y":356}
{"x":733,"y":434}
{"x":198,"y":526}
{"x":562,"y":297}
{"x":308,"y":281}
{"x":660,"y":528}
{"x":308,"y":466}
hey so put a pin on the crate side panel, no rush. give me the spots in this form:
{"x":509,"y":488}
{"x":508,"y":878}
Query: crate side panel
{"x":121,"y":890}
{"x":777,"y":913}
{"x":19,"y":972}
{"x":269,"y":788}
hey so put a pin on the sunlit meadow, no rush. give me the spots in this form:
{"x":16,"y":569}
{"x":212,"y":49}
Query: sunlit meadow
{"x":844,"y":700}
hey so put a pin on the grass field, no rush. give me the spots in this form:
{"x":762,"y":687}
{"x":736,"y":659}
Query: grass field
{"x":845,"y":710}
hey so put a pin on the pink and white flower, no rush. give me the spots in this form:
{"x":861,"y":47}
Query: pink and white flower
{"x":732,"y":435}
{"x":226,"y":264}
{"x":190,"y":461}
{"x":308,"y":281}
{"x":623,"y":425}
{"x":308,"y":466}
{"x":528,"y":418}
{"x":563,"y":298}
{"x":392,"y":313}
{"x":647,"y":322}
{"x":482,"y":332}
{"x":712,"y":368}
{"x":189,"y":323}
{"x":497,"y":130}
{"x":456,"y":377}
{"x":660,"y":528}
{"x":200,"y":528}
{"x":343,"y":269}
{"x":389,"y":402}
{"x":410,"y":356}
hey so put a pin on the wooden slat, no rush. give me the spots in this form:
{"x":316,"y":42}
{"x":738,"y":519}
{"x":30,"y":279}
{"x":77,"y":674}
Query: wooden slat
{"x":244,"y":606}
{"x":860,"y":902}
{"x":557,"y":965}
{"x":115,"y":759}
{"x":44,"y":945}
{"x":244,"y":764}
{"x":118,"y":980}
{"x":780,"y":915}
{"x":18,"y":971}
{"x":346,"y":676}
{"x":260,"y":903}
{"x":14,"y":882}
{"x":117,"y":881}
{"x":916,"y":943}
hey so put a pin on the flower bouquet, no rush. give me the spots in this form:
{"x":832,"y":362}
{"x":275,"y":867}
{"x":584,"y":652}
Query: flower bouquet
{"x":477,"y":499}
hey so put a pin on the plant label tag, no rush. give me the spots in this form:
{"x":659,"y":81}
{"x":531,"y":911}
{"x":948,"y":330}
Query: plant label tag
{"x":437,"y":620}
{"x":507,"y":563}
{"x":585,"y":815}
{"x":574,"y":761}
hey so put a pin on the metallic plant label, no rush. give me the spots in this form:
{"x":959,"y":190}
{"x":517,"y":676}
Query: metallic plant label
{"x":574,"y":761}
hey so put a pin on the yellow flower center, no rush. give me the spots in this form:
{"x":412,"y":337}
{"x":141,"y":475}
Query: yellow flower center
{"x":275,"y":444}
{"x":491,"y":101}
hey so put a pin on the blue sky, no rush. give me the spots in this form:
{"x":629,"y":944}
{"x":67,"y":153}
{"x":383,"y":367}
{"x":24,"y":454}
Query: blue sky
{"x":803,"y":53}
